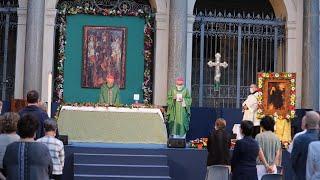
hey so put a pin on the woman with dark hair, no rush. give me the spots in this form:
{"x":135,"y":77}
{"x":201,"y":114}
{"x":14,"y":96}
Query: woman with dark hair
{"x":246,"y":150}
{"x":218,"y":146}
{"x":8,"y":122}
{"x":27,"y":159}
{"x":270,"y":147}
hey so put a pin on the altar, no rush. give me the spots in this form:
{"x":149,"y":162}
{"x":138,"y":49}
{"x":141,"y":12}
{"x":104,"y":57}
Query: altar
{"x":112,"y":125}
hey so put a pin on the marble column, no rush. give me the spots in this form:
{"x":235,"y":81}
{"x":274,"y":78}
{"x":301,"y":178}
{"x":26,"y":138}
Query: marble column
{"x":190,"y":22}
{"x":161,"y":59}
{"x":177,"y":40}
{"x":33,"y":53}
{"x":310,"y":59}
{"x":48,"y":45}
{"x":20,"y":49}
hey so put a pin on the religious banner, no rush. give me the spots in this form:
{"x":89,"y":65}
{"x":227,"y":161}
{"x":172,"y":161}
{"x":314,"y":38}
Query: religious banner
{"x":277,"y":97}
{"x":104,"y":52}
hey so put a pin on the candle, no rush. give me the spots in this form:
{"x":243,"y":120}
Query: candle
{"x":49,"y":93}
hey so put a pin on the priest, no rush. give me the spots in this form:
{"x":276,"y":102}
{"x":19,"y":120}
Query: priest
{"x":110,"y":93}
{"x":179,"y":103}
{"x":250,"y":108}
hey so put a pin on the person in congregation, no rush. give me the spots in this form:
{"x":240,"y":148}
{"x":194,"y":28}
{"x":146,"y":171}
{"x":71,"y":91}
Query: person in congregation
{"x":34,"y":108}
{"x":27,"y":159}
{"x":303,"y":127}
{"x":109,"y":92}
{"x":250,"y":109}
{"x":270,"y":146}
{"x":8,"y":123}
{"x":245,"y":154}
{"x":218,"y":146}
{"x":313,"y":161}
{"x":55,"y":147}
{"x":300,"y":147}
{"x":179,"y":103}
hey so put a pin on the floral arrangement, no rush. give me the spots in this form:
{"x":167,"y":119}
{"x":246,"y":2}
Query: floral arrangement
{"x":86,"y":7}
{"x":291,"y":78}
{"x":199,"y":143}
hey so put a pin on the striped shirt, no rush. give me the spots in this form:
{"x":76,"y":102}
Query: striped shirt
{"x":56,"y":150}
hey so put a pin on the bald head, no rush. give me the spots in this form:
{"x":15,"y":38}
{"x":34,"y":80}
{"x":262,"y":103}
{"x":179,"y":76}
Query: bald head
{"x":311,"y":120}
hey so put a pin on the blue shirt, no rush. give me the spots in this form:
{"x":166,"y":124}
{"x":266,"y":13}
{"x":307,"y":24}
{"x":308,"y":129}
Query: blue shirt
{"x":300,"y":151}
{"x":313,"y":161}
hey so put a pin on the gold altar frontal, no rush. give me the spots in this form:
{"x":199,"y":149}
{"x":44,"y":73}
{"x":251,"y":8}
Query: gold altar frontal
{"x":112,"y":125}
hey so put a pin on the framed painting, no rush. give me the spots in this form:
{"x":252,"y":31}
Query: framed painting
{"x":277,"y":94}
{"x":104,"y":53}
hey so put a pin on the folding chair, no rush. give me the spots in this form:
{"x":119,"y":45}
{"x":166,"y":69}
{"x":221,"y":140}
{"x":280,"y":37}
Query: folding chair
{"x":218,"y":172}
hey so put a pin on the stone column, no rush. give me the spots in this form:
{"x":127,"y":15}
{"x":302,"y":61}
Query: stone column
{"x":20,"y":49}
{"x":33,"y":56}
{"x":48,"y":45}
{"x":177,"y":40}
{"x":310,"y":59}
{"x":161,"y":59}
{"x":190,"y":22}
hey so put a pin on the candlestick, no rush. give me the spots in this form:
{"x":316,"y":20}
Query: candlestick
{"x":49,"y":93}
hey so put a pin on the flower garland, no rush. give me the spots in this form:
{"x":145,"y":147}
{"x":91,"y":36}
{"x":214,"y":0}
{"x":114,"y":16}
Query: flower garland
{"x":73,"y":8}
{"x":262,"y":77}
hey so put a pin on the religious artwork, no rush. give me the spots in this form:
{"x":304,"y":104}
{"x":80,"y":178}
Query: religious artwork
{"x":70,"y":7}
{"x":217,"y":74}
{"x":104,"y":53}
{"x":277,"y":96}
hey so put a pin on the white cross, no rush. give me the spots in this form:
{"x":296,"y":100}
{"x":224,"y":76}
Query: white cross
{"x":217,"y":65}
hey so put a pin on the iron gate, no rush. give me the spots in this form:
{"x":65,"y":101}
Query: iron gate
{"x":8,"y":35}
{"x":249,"y":43}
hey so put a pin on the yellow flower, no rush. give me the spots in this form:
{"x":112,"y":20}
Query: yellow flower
{"x":288,"y":116}
{"x":293,"y":88}
{"x":292,"y":80}
{"x":292,"y":112}
{"x":289,"y":74}
{"x":276,"y":75}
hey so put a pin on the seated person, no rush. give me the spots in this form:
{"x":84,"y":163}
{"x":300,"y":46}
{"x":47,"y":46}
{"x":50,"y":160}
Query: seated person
{"x":110,"y":93}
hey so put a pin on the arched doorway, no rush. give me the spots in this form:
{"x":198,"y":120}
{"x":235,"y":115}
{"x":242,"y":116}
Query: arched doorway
{"x":8,"y":35}
{"x":249,"y":38}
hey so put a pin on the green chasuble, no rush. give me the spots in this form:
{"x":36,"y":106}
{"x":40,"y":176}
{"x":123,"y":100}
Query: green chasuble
{"x":109,"y":95}
{"x":178,"y":112}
